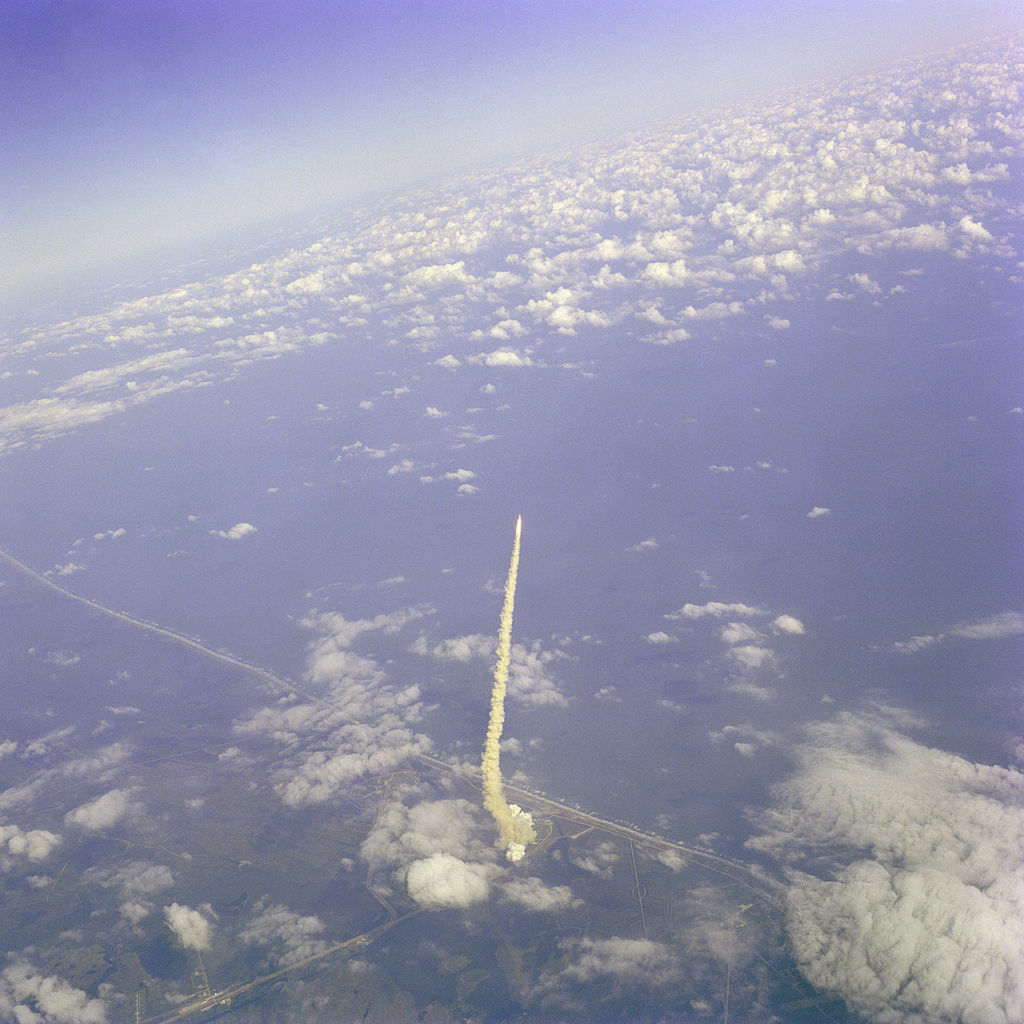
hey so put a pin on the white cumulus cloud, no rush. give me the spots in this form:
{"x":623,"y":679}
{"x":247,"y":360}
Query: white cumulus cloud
{"x":788,"y":624}
{"x":34,"y":845}
{"x":533,"y":894}
{"x":716,"y":609}
{"x":442,"y":880}
{"x":102,"y":813}
{"x":190,"y":926}
{"x":28,"y":996}
{"x":660,"y":637}
{"x":504,"y":357}
{"x":236,"y":532}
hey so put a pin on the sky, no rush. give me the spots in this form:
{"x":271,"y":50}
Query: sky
{"x":132,"y":125}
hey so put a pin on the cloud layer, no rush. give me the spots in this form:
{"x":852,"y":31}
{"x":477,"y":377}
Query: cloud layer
{"x":921,"y":915}
{"x":658,"y":238}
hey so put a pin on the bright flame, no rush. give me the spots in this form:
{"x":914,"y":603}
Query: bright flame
{"x":515,"y":826}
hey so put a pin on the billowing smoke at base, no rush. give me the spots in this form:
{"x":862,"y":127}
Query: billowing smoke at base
{"x":515,"y":826}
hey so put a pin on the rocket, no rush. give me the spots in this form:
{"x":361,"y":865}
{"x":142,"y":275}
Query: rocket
{"x":515,"y":826}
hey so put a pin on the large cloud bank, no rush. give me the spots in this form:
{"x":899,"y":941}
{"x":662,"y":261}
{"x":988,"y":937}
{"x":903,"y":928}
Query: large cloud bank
{"x":659,"y":237}
{"x":921,"y":916}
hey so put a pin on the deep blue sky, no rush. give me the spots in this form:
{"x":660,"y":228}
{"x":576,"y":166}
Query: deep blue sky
{"x":133,"y":124}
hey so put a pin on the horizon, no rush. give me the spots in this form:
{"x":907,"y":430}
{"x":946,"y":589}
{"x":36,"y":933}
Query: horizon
{"x":136,"y":130}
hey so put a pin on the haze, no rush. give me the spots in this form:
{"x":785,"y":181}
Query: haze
{"x":132,"y":126}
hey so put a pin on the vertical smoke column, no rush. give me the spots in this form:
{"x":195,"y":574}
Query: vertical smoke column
{"x":515,"y":826}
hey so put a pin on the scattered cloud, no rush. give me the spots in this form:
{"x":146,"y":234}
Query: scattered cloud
{"x":458,"y":648}
{"x":104,"y":812}
{"x":62,"y":659}
{"x":660,"y":637}
{"x":110,"y":534}
{"x":995,"y":627}
{"x":739,"y":633}
{"x":788,"y":624}
{"x":532,"y":679}
{"x":357,"y":448}
{"x":750,"y":666}
{"x":139,"y":878}
{"x":502,"y":357}
{"x":672,"y":859}
{"x":745,"y":739}
{"x":716,"y":609}
{"x":532,"y":894}
{"x":645,"y":545}
{"x":34,"y":845}
{"x":818,"y":511}
{"x":288,"y":936}
{"x":614,"y":969}
{"x":135,"y":883}
{"x":864,"y":282}
{"x":30,"y":997}
{"x":742,"y":205}
{"x":361,"y":724}
{"x":236,"y":532}
{"x":442,"y":851}
{"x":402,"y":834}
{"x":752,"y":655}
{"x":599,"y":859}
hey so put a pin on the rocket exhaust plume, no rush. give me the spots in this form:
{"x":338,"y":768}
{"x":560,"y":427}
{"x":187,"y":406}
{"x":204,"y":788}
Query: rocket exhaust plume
{"x":515,"y":826}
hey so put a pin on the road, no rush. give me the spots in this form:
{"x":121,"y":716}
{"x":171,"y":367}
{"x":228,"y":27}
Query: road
{"x":735,"y":871}
{"x":287,"y":685}
{"x":224,"y":996}
{"x":738,"y":873}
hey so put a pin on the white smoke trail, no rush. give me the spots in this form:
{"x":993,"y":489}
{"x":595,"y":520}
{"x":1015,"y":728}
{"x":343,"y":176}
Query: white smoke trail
{"x":515,"y":826}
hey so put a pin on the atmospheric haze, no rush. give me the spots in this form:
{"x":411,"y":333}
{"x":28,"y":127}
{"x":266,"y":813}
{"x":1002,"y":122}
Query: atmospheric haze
{"x":515,"y":826}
